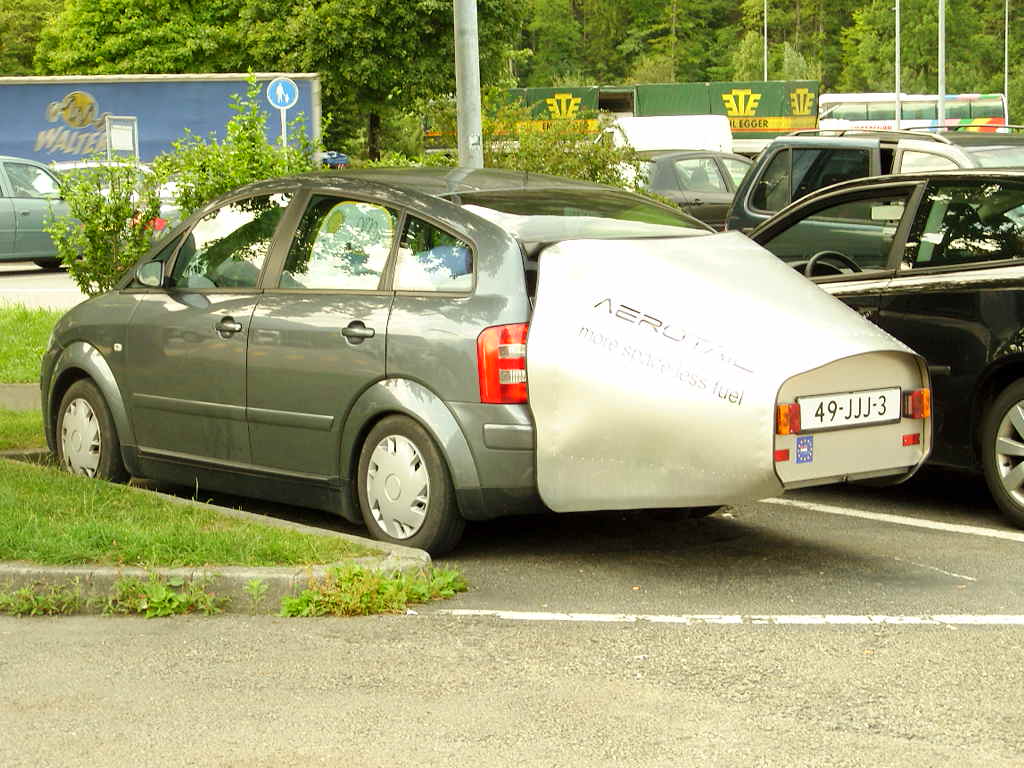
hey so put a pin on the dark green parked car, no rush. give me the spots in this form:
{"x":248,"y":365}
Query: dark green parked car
{"x":29,"y":195}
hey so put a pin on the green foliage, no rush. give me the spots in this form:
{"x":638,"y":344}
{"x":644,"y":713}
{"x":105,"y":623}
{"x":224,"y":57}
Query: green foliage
{"x":204,"y":169}
{"x":112,"y":206}
{"x":356,"y":591}
{"x":41,"y":601}
{"x":158,"y":597}
{"x":24,"y":332}
{"x":256,"y":589}
{"x":22,"y":23}
{"x":126,"y":36}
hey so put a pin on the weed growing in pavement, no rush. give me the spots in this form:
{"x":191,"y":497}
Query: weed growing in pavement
{"x":158,"y":597}
{"x":41,"y":601}
{"x":356,"y":591}
{"x":256,"y":589}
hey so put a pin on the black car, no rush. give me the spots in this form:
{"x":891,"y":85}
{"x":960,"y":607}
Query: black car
{"x":702,"y":183}
{"x":937,"y":260}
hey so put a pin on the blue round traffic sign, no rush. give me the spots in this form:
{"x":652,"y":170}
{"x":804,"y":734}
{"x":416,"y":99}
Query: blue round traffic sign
{"x":282,"y":92}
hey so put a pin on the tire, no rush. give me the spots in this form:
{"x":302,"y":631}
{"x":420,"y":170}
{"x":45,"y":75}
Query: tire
{"x":405,"y":489}
{"x":87,"y":442}
{"x":1002,"y":451}
{"x":48,"y":264}
{"x":696,"y":513}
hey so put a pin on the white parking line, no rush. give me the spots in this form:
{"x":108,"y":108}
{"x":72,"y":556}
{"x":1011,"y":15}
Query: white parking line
{"x":970,"y":530}
{"x":751,"y":619}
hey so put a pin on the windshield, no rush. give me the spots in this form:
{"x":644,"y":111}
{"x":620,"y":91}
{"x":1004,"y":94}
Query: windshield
{"x":999,"y":157}
{"x":573,"y":203}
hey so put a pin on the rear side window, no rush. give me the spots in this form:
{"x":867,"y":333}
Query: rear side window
{"x":430,"y":259}
{"x":699,"y":174}
{"x":340,"y":245}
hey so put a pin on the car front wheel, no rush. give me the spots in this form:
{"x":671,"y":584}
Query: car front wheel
{"x":87,"y":442}
{"x":405,"y":491}
{"x":1002,"y":451}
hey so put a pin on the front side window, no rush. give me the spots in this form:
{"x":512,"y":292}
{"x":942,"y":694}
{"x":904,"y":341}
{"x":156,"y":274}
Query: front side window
{"x":961,"y":223}
{"x":30,"y":181}
{"x":228,"y":246}
{"x":340,"y":245}
{"x":848,"y":237}
{"x":430,"y":259}
{"x":699,"y":174}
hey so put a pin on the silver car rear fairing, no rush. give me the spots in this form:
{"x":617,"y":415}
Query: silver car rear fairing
{"x":654,"y":368}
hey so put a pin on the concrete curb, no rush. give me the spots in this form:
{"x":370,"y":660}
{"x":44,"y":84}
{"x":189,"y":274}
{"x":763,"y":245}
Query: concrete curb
{"x":20,"y":397}
{"x":222,"y":581}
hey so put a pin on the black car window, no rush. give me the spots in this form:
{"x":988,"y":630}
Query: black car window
{"x":771,"y":193}
{"x":855,"y":235}
{"x":340,"y":245}
{"x":227,"y":247}
{"x":430,"y":259}
{"x":817,"y":168}
{"x":699,"y":174}
{"x":962,"y":223}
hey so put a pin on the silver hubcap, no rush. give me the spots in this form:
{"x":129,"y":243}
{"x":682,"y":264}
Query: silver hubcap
{"x":397,"y":487}
{"x":1010,"y":452}
{"x":80,"y":439}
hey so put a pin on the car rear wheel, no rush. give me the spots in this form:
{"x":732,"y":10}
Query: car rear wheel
{"x":405,"y":490}
{"x":50,"y":264}
{"x":87,"y":442}
{"x":1002,"y":451}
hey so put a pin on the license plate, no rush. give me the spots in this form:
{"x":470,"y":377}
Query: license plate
{"x":850,"y":409}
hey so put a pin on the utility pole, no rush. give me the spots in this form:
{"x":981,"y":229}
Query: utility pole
{"x":467,"y":85}
{"x":942,"y":63}
{"x":766,"y":40}
{"x":899,"y":104}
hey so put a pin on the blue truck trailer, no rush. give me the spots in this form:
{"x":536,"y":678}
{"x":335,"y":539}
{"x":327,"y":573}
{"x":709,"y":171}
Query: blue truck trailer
{"x":53,"y":119}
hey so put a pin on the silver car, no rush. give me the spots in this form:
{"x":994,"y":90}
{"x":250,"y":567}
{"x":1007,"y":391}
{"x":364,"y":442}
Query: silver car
{"x":414,"y":349}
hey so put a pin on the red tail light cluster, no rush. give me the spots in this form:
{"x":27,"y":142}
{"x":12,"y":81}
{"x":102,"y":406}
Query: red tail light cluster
{"x":917,"y":404}
{"x":501,"y":362}
{"x":787,"y":419}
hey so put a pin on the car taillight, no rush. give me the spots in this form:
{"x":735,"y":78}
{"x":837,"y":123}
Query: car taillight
{"x":501,"y":362}
{"x":787,"y":419}
{"x":917,"y":404}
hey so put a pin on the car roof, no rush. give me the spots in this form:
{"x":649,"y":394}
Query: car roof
{"x":991,"y":174}
{"x":674,"y":154}
{"x":446,"y":182}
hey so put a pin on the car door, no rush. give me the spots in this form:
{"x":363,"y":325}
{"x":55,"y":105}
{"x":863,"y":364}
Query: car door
{"x":186,"y":343}
{"x":958,"y":297}
{"x":706,"y":194}
{"x":847,"y":242}
{"x":35,"y":197}
{"x":7,"y":219}
{"x":319,"y":332}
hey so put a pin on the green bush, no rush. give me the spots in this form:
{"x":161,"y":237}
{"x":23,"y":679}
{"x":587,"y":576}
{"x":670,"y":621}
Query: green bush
{"x":204,"y":169}
{"x":111,"y":209}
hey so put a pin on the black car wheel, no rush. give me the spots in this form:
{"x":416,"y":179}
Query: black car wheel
{"x":405,"y":490}
{"x":1002,"y":451}
{"x":87,"y":442}
{"x":48,"y":264}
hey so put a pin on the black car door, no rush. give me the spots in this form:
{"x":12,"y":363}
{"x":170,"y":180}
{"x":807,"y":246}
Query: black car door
{"x":958,"y":298}
{"x":847,"y":242}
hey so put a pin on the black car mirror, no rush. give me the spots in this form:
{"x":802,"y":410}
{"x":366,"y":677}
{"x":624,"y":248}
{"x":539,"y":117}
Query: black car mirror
{"x":151,"y":274}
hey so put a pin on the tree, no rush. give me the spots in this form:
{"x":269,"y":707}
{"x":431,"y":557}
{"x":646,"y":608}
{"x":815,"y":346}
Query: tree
{"x":92,"y":37}
{"x":22,"y":23}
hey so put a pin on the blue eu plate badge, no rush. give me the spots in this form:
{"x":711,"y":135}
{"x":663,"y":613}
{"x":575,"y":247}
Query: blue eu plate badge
{"x":805,"y":449}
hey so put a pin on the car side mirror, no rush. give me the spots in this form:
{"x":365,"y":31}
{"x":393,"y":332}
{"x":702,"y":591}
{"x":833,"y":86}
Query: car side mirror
{"x":151,"y":274}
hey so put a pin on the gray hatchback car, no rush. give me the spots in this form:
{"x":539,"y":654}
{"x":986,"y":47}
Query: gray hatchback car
{"x":356,"y":342}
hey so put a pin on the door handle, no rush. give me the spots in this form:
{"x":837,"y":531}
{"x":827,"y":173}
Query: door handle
{"x":356,"y":332}
{"x":227,"y":326}
{"x":867,"y":312}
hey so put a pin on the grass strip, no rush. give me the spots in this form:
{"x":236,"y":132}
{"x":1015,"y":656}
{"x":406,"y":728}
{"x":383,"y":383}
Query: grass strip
{"x":51,"y":517}
{"x":23,"y":336}
{"x":21,"y":430}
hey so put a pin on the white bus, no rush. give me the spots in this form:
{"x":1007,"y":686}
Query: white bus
{"x":980,"y":111}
